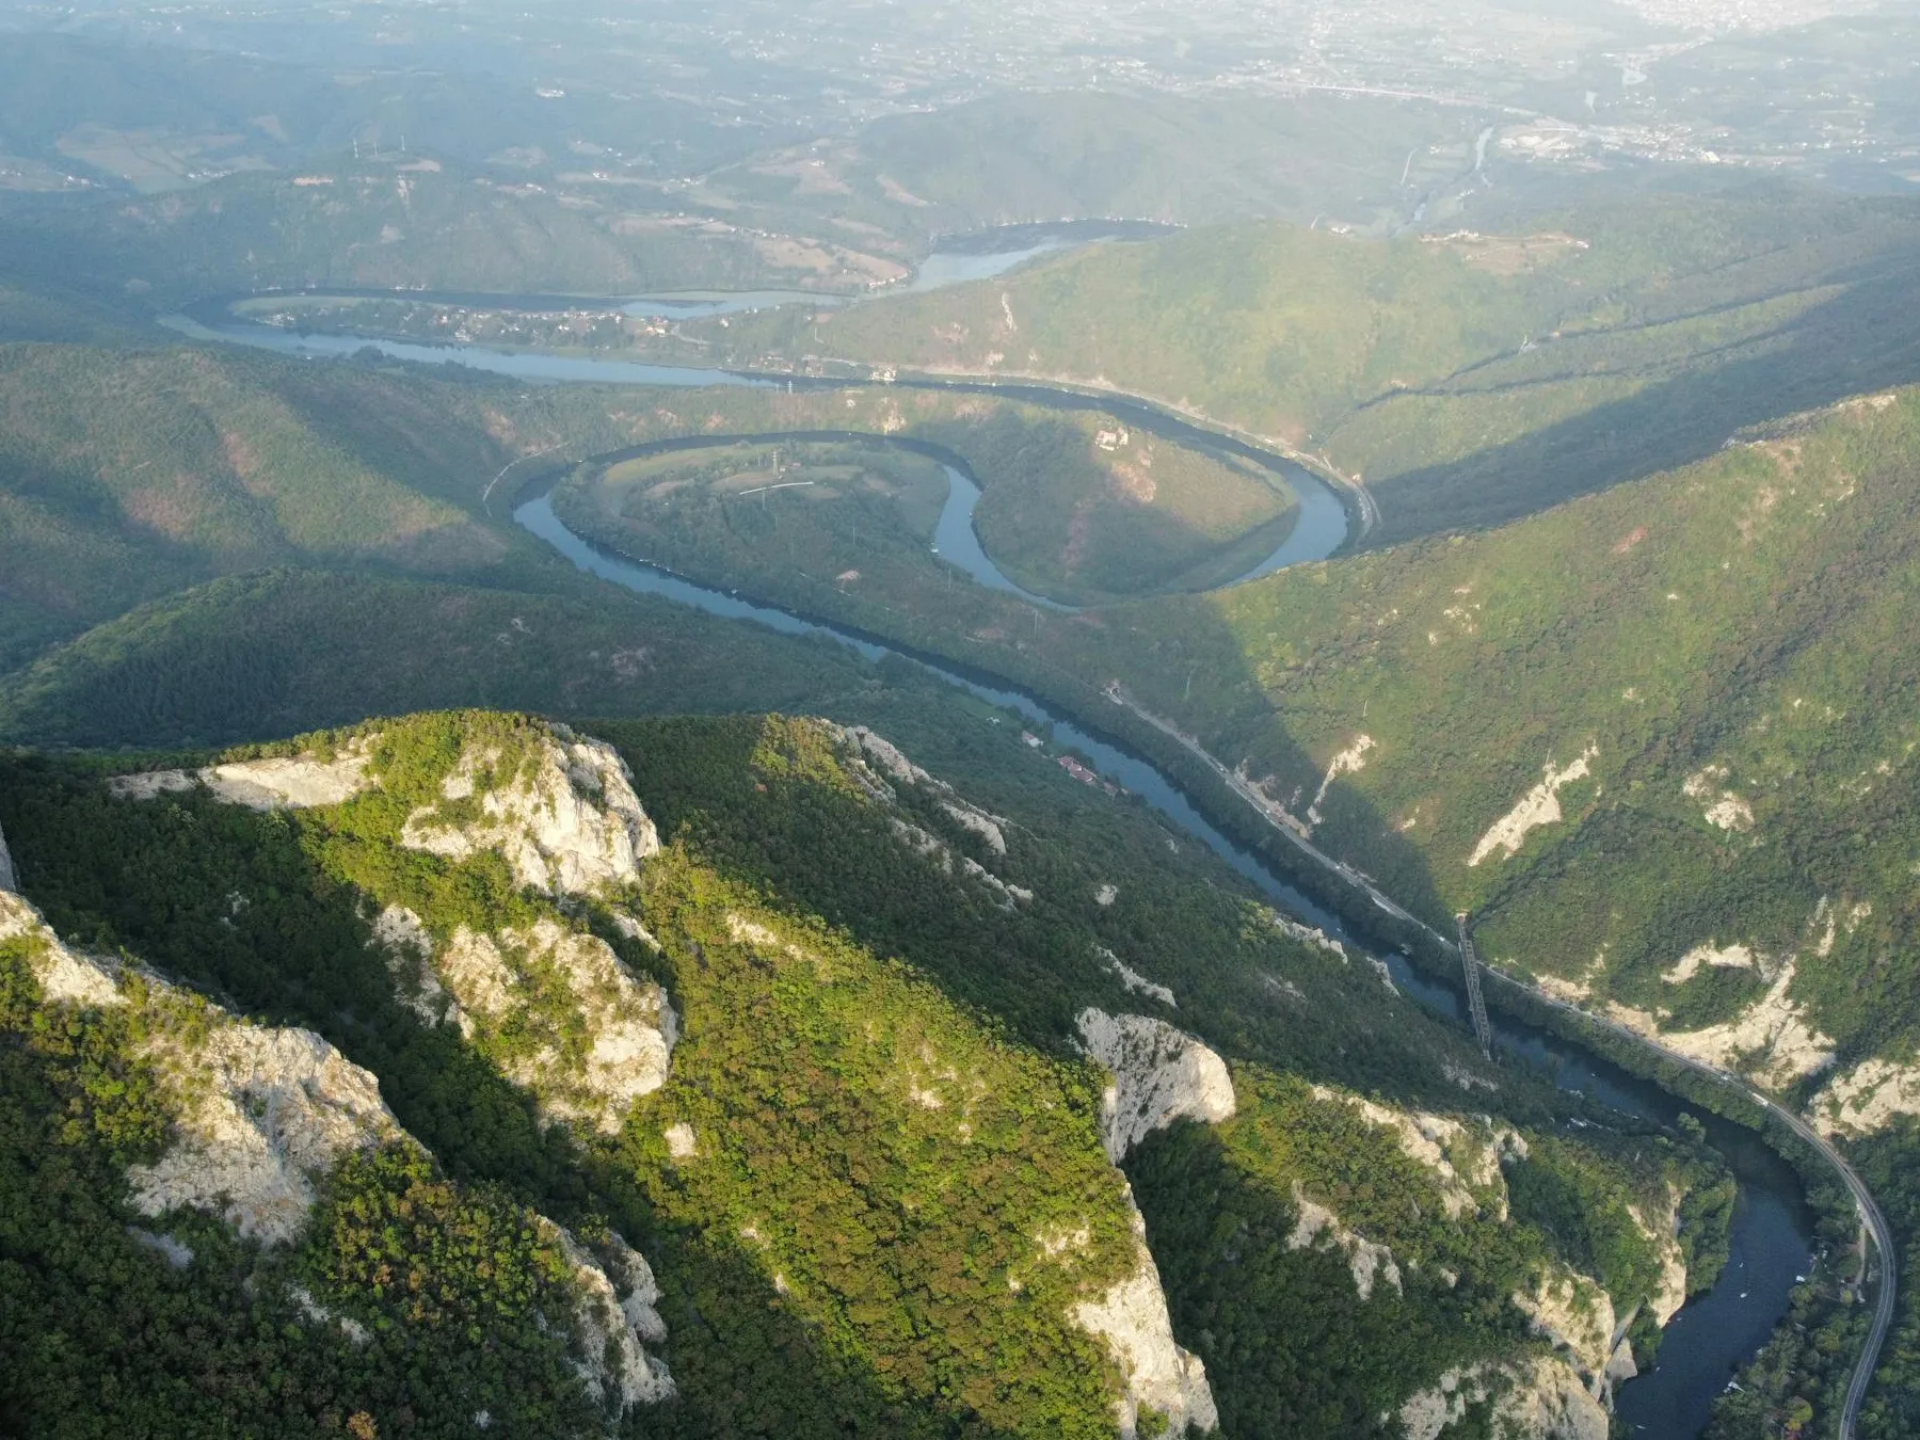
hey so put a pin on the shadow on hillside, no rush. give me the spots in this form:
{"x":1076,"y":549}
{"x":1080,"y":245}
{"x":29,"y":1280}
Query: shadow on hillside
{"x":159,"y":878}
{"x":803,"y":840}
{"x":746,"y":1366}
{"x":1866,"y":338}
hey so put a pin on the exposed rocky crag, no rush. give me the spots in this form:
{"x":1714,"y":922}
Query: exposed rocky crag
{"x":1132,"y":1319}
{"x":615,"y":1314}
{"x":555,"y":1009}
{"x":1160,"y":1074}
{"x":8,"y":881}
{"x":294,"y":783}
{"x":877,"y":766}
{"x":1366,"y":1259}
{"x":1576,"y":1315}
{"x":262,"y":1116}
{"x":1537,"y":1399}
{"x":1464,"y":1157}
{"x":567,"y":822}
{"x":1868,"y":1097}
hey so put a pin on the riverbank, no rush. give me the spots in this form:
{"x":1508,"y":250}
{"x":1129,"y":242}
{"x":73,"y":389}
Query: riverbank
{"x":1183,"y":771}
{"x":1774,"y":1230}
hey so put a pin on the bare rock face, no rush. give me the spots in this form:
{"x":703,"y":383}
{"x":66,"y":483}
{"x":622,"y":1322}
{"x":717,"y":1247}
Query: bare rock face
{"x":877,"y":765}
{"x":1537,"y":1399}
{"x":8,"y":881}
{"x":65,"y":976}
{"x":1160,"y":1074}
{"x":262,"y":1115}
{"x":1131,"y":1318}
{"x":614,"y":1324}
{"x":1550,"y":1403}
{"x":288,"y":783}
{"x":568,"y":824}
{"x":264,"y":1112}
{"x":588,"y":1038}
{"x":1367,"y":1260}
{"x":1664,"y":1231}
{"x":1575,"y":1314}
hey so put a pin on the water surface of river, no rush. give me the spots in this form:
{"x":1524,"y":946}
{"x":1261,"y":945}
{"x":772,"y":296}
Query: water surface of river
{"x":1772,"y":1229}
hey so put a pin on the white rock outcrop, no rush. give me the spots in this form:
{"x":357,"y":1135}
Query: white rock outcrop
{"x":1664,"y":1232}
{"x":259,"y":1113}
{"x":1131,"y":1318}
{"x":590,"y":1038}
{"x":1135,"y":981}
{"x":1537,"y":1399}
{"x":1539,"y":806}
{"x":296,"y":782}
{"x":1718,"y":957}
{"x":616,"y":1327}
{"x":65,"y":976}
{"x":1367,"y":1260}
{"x":1868,"y":1097}
{"x":1550,"y":1403}
{"x":1772,"y":1038}
{"x":1575,"y":1314}
{"x":1463,"y":1157}
{"x":568,"y":823}
{"x":877,"y":765}
{"x":1311,"y":936}
{"x":8,"y":880}
{"x":264,"y":1112}
{"x":1350,"y":761}
{"x":262,"y":1115}
{"x":1160,"y":1074}
{"x":1727,"y":810}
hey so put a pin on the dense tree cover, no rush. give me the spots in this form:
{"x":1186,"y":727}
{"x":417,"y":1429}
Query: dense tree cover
{"x":877,"y":1141}
{"x":280,"y":652}
{"x":463,"y":1300}
{"x":769,"y":801}
{"x":1470,"y":378}
{"x":378,"y":225}
{"x":125,"y":475}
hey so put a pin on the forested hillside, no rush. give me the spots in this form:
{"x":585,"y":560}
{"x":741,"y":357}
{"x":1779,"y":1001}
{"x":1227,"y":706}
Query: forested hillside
{"x":802,"y":1024}
{"x":400,"y":223}
{"x":128,"y":475}
{"x":1467,"y":377}
{"x":1658,"y":742}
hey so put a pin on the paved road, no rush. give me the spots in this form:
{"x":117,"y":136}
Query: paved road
{"x":1870,"y":1214}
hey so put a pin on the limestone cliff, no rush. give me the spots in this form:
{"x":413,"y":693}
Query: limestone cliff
{"x":880,"y":769}
{"x":1160,"y":1074}
{"x":1537,"y":1399}
{"x":567,"y":821}
{"x":553,"y":1008}
{"x":1132,"y":1319}
{"x":8,"y":881}
{"x":262,"y":1115}
{"x":293,"y":782}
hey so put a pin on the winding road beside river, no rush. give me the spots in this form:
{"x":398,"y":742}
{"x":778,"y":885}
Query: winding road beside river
{"x":1871,"y":1215}
{"x":1136,"y":772}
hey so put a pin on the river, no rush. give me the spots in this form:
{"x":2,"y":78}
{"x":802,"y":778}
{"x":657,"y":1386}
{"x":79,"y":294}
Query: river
{"x":1771,"y":1241}
{"x":1772,"y":1228}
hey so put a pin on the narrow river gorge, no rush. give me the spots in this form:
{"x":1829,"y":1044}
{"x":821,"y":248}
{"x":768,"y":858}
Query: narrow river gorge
{"x":1772,"y":1237}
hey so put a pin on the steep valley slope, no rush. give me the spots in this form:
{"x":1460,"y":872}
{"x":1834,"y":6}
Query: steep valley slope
{"x":975,"y":1106}
{"x":1658,"y":743}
